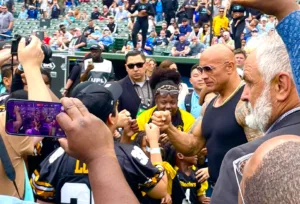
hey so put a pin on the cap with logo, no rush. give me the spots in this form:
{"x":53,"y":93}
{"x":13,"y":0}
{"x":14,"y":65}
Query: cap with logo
{"x":98,"y":99}
{"x":238,"y":8}
{"x":264,"y":18}
{"x":95,"y":47}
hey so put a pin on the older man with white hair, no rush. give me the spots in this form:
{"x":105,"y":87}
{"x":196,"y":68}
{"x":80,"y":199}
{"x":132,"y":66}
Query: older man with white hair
{"x":121,"y":14}
{"x":227,"y":41}
{"x":274,"y":106}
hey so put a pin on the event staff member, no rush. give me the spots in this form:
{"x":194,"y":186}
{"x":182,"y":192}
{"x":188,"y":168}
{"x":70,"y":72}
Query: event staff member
{"x":219,"y":73}
{"x":144,"y":9}
{"x":95,"y":68}
{"x":62,"y":178}
{"x":238,"y":24}
{"x":137,"y":93}
{"x":102,"y":73}
{"x":283,"y":112}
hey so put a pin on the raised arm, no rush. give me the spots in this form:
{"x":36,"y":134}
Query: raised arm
{"x":37,"y":89}
{"x":187,"y":143}
{"x":288,"y":13}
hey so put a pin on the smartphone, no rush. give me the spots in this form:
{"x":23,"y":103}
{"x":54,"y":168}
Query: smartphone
{"x":33,"y":118}
{"x":90,"y":62}
{"x":14,"y":46}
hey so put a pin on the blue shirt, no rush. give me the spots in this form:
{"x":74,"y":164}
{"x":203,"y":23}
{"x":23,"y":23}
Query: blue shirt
{"x":149,"y":43}
{"x":159,"y":8}
{"x":181,"y":45}
{"x":32,"y":13}
{"x":23,"y":15}
{"x":185,"y":29}
{"x":107,"y":40}
{"x":195,"y":107}
{"x":72,"y":19}
{"x":289,"y":30}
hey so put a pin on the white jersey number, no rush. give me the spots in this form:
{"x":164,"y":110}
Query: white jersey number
{"x":79,"y":191}
{"x":187,"y":197}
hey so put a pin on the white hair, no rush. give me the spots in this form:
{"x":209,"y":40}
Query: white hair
{"x":272,"y":57}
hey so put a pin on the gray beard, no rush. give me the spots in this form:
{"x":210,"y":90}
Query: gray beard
{"x":260,"y":115}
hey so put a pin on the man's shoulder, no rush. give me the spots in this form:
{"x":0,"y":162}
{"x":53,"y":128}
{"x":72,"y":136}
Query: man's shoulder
{"x":124,"y":80}
{"x":246,"y":148}
{"x":186,"y":42}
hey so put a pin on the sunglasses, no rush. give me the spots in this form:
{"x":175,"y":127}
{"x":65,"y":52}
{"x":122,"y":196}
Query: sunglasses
{"x":206,"y":69}
{"x":238,"y":167}
{"x":138,"y":65}
{"x":167,"y":92}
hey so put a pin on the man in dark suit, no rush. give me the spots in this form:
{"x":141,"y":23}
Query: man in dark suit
{"x":274,"y":108}
{"x":137,"y":94}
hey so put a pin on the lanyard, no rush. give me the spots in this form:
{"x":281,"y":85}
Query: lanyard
{"x":141,"y":95}
{"x":282,"y":117}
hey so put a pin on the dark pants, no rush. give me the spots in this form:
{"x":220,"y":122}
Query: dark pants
{"x":169,"y":16}
{"x":140,"y":24}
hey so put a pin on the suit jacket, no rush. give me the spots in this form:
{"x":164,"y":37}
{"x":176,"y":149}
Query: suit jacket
{"x":129,"y":99}
{"x":226,"y":188}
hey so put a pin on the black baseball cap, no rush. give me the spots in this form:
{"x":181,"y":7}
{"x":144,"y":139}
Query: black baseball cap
{"x":95,"y":47}
{"x":238,"y":8}
{"x":98,"y":99}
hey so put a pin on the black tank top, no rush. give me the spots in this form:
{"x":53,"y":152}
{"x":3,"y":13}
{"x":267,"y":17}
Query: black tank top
{"x":221,"y":132}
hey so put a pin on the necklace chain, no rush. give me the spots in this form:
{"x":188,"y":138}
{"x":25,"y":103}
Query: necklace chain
{"x":232,"y":94}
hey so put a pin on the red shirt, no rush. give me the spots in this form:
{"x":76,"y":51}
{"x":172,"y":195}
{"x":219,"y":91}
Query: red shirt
{"x":47,"y":40}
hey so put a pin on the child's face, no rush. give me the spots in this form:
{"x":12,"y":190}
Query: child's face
{"x":144,"y":144}
{"x":243,"y":42}
{"x":191,"y":160}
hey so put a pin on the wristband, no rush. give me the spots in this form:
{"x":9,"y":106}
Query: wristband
{"x":20,"y":68}
{"x":155,"y":150}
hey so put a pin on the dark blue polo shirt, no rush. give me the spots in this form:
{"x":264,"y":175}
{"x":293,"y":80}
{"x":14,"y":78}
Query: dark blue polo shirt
{"x":181,"y":45}
{"x":185,"y":29}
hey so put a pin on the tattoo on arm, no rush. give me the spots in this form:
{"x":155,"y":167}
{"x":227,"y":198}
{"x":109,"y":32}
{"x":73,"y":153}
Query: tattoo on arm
{"x":241,"y":112}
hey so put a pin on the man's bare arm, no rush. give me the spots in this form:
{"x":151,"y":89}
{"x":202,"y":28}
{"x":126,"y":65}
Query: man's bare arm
{"x":241,"y":112}
{"x":188,"y":144}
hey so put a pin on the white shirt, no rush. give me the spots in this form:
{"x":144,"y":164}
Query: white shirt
{"x":151,"y":26}
{"x":68,"y":35}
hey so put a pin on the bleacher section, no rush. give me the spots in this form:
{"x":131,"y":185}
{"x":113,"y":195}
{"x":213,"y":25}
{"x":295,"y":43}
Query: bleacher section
{"x":26,"y":27}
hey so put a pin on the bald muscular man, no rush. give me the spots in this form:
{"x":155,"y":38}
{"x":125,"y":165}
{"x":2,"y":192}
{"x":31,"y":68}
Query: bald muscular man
{"x":275,"y":167}
{"x":223,"y":125}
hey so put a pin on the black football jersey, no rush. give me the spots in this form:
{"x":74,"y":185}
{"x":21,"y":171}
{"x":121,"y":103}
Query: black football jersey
{"x":63,"y":179}
{"x":185,"y":189}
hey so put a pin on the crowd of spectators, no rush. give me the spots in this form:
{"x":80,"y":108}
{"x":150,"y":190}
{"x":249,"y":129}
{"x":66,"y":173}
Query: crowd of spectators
{"x":233,"y":26}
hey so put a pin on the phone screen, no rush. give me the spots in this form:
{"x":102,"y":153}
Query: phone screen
{"x":33,"y":118}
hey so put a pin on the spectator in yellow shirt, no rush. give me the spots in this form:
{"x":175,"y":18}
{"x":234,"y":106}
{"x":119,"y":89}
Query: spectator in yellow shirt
{"x":220,"y":22}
